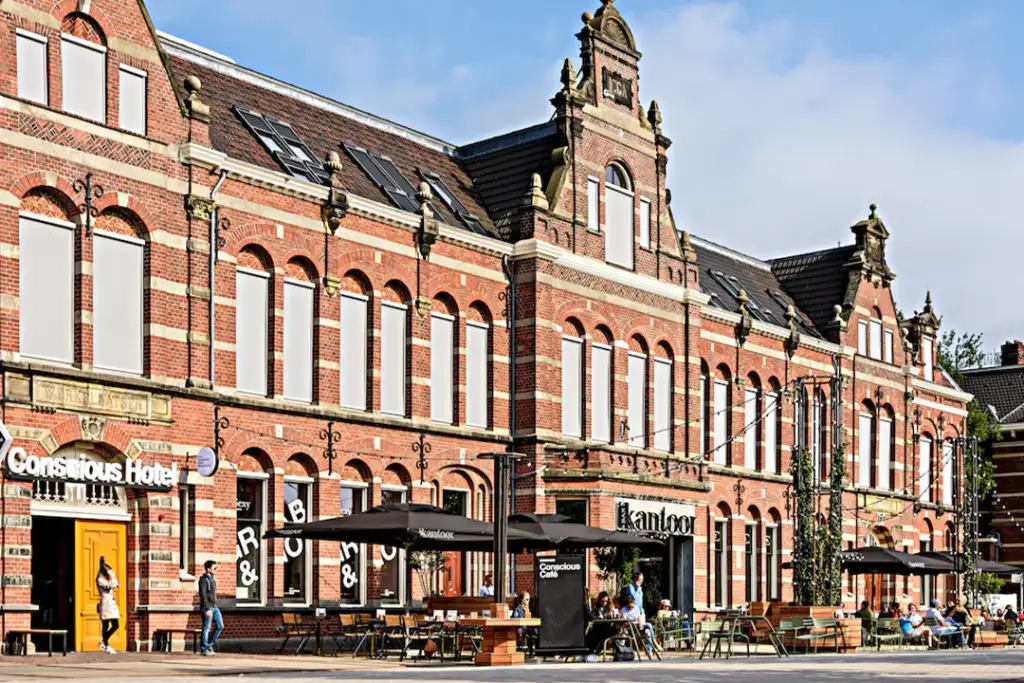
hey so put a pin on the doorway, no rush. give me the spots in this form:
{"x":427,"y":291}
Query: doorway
{"x":53,"y":576}
{"x":455,"y":501}
{"x":95,"y":540}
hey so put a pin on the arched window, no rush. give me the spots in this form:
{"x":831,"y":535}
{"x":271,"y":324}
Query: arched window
{"x":773,"y":552}
{"x":663,"y":395}
{"x":252,"y":309}
{"x":636,"y":378}
{"x":601,"y":385}
{"x":619,"y":224}
{"x":354,"y":306}
{"x":751,"y":422}
{"x":866,"y":444}
{"x":442,"y":359}
{"x":886,"y":462}
{"x":721,"y":562}
{"x":478,"y":366}
{"x":299,"y":312}
{"x":925,"y":452}
{"x":948,"y":480}
{"x":721,"y":409}
{"x":704,"y":396}
{"x":772,"y":427}
{"x":572,"y":379}
{"x":84,"y":64}
{"x":819,"y":433}
{"x":394,"y":369}
{"x":875,"y":334}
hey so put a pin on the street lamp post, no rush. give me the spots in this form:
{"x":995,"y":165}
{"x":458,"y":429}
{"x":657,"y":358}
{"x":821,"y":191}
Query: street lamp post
{"x":502,"y":462}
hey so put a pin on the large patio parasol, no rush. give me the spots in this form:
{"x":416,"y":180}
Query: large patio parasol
{"x":876,"y":560}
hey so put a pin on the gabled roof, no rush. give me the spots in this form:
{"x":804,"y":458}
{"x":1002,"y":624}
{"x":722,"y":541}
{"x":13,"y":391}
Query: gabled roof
{"x":1001,"y":387}
{"x":816,"y":281}
{"x":323,"y":125}
{"x":753,"y":275}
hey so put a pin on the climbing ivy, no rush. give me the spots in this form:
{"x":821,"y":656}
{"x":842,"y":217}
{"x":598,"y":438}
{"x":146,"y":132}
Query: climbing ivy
{"x":833,"y":545}
{"x":804,"y":538}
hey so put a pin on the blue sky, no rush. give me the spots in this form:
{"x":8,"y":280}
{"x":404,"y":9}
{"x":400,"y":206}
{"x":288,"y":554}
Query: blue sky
{"x":788,"y":117}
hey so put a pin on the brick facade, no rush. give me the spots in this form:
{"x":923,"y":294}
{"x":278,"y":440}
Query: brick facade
{"x":157,"y":188}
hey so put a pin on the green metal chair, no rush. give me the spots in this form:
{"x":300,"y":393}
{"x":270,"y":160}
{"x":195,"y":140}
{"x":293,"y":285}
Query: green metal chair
{"x":887,"y":631}
{"x":819,"y":630}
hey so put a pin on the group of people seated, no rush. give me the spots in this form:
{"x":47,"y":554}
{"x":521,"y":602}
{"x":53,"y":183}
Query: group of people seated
{"x":630,"y":607}
{"x":953,"y":623}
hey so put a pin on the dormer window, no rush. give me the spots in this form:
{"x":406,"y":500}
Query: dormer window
{"x":619,"y":224}
{"x":285,"y":145}
{"x":453,"y":203}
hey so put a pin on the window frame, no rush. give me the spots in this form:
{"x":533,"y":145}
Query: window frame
{"x":644,"y":240}
{"x":607,"y":351}
{"x":664,"y":429}
{"x":307,"y":551}
{"x":310,"y":287}
{"x":593,"y":204}
{"x":264,"y":479}
{"x":347,"y":361}
{"x":634,"y":440}
{"x":186,"y":531}
{"x":862,"y":337}
{"x":70,"y":322}
{"x":889,"y":346}
{"x":875,"y":335}
{"x":436,"y":415}
{"x":135,"y":242}
{"x":266,"y":331}
{"x":473,"y":377}
{"x":67,"y":38}
{"x":404,"y":365}
{"x":137,"y":73}
{"x":720,"y":442}
{"x":567,"y":411}
{"x":361,"y":592}
{"x":43,"y":41}
{"x":400,"y":555}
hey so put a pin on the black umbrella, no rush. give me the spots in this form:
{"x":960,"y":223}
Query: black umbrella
{"x":876,"y":560}
{"x":987,"y":566}
{"x":558,"y":532}
{"x":411,"y":526}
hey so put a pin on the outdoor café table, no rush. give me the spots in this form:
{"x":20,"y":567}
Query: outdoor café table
{"x":773,"y":636}
{"x":372,"y":628}
{"x":635,"y":637}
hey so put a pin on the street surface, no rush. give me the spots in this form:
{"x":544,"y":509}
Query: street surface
{"x":948,"y":667}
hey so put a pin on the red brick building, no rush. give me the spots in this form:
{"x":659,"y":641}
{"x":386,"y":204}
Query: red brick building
{"x":256,"y":262}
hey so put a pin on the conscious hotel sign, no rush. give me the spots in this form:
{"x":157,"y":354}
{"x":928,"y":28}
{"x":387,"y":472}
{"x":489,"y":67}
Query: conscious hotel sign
{"x":131,"y":474}
{"x":644,"y":516}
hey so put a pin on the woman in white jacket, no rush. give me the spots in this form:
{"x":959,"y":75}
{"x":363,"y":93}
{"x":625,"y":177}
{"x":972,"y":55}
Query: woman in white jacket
{"x":106,"y":582}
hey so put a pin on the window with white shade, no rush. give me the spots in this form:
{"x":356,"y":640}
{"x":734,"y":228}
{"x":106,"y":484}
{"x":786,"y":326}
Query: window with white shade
{"x":771,"y":446}
{"x":876,"y":339}
{"x":947,"y":473}
{"x":636,"y":411}
{"x":442,"y":351}
{"x":884,"y":453}
{"x":926,"y":357}
{"x":750,"y":429}
{"x":645,"y":223}
{"x":924,"y":469}
{"x":117,"y":280}
{"x":600,"y":392}
{"x":862,"y":338}
{"x":572,"y":387}
{"x":663,"y":391}
{"x":618,"y":226}
{"x":46,"y":249}
{"x":702,"y":397}
{"x":32,"y":71}
{"x":132,"y":99}
{"x":353,"y":350}
{"x":865,"y":451}
{"x":298,"y":340}
{"x":889,"y":346}
{"x":84,"y":78}
{"x":593,"y":204}
{"x":720,"y":420}
{"x":477,"y":375}
{"x":393,"y":371}
{"x":251,"y":291}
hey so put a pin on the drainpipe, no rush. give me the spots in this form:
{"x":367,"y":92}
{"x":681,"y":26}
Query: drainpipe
{"x":509,"y":268}
{"x":214,"y":215}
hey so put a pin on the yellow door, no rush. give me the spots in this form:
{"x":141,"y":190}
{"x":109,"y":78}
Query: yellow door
{"x":94,"y":540}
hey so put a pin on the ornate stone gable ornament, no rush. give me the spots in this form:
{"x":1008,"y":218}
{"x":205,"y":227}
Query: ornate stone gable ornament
{"x":429,"y":231}
{"x":336,"y":207}
{"x":923,"y":324}
{"x":607,"y":23}
{"x":617,"y":87}
{"x":793,"y":342}
{"x":870,"y":238}
{"x":746,"y":323}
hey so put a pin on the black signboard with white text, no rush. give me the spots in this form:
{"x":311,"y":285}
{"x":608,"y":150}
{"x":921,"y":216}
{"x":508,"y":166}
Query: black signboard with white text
{"x":560,"y":583}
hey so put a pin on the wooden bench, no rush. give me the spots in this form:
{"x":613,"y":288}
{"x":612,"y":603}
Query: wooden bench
{"x":18,"y":639}
{"x":164,"y":637}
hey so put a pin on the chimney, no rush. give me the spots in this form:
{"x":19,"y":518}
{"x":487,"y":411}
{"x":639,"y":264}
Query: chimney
{"x":1013,"y":352}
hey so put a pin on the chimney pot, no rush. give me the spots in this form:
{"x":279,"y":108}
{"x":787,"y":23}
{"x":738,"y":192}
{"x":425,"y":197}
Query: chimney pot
{"x":1013,"y":352}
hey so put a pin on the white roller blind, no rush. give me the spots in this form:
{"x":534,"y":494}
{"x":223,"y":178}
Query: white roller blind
{"x":888,"y":346}
{"x":298,"y":340}
{"x":117,"y":302}
{"x":600,"y":392}
{"x":32,"y":61}
{"x":476,"y":374}
{"x":864,"y":452}
{"x":84,"y":78}
{"x":572,"y":394}
{"x":876,"y":339}
{"x":637,"y":409}
{"x":662,"y":404}
{"x":926,"y":357}
{"x":947,"y":473}
{"x":353,"y":351}
{"x":618,"y":241}
{"x":884,"y":453}
{"x":593,"y":205}
{"x":251,"y":331}
{"x":645,"y":223}
{"x":750,"y":425}
{"x":703,"y":413}
{"x":924,"y":469}
{"x":442,"y":335}
{"x":47,"y":289}
{"x":862,"y":338}
{"x":771,"y":402}
{"x":392,"y":358}
{"x":132,"y":100}
{"x":720,"y":410}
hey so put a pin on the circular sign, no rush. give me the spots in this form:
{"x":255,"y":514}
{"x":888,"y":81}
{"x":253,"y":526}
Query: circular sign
{"x":207,"y":461}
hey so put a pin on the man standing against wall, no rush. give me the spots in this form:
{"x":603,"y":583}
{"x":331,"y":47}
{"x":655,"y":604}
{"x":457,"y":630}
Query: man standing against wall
{"x":208,"y":607}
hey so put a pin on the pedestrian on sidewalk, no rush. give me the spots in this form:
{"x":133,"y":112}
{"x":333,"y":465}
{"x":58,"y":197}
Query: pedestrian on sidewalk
{"x":110,"y":615}
{"x":208,"y":607}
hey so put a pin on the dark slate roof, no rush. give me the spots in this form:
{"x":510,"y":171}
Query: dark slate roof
{"x":502,"y":169}
{"x":226,"y":85}
{"x":999,"y":387}
{"x":817,"y":281}
{"x":754,"y":276}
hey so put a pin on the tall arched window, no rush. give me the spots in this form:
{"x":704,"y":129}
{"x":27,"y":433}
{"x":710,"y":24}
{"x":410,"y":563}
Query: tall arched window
{"x":355,"y":305}
{"x":619,"y":222}
{"x":722,"y":412}
{"x":704,"y":397}
{"x":572,"y":379}
{"x":663,"y":395}
{"x":478,"y":366}
{"x":772,"y":427}
{"x":442,"y":359}
{"x":819,"y":433}
{"x":925,"y":452}
{"x":118,"y":272}
{"x":721,"y":564}
{"x":601,"y":385}
{"x":948,"y":480}
{"x":84,"y":64}
{"x":751,"y":421}
{"x":886,"y":436}
{"x":636,"y":378}
{"x":865,"y":444}
{"x":394,"y":336}
{"x":299,"y":313}
{"x":875,"y":334}
{"x":252,"y":310}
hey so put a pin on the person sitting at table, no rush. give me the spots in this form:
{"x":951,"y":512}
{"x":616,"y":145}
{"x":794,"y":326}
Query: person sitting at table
{"x":867,"y":620}
{"x":963,"y":618}
{"x":598,"y":633}
{"x":632,"y":613}
{"x":603,"y":608}
{"x":890,"y":611}
{"x":487,"y":587}
{"x":943,"y":626}
{"x":912,"y":626}
{"x":1010,"y":617}
{"x":522,"y":605}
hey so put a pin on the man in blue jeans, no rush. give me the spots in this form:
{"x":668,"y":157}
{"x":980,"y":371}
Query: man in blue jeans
{"x":208,"y":606}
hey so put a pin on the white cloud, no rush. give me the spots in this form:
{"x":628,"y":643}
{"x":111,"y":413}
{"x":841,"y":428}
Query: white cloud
{"x":781,"y":145}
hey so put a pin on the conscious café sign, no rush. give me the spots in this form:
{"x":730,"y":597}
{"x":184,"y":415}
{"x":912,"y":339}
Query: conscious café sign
{"x":130,"y":474}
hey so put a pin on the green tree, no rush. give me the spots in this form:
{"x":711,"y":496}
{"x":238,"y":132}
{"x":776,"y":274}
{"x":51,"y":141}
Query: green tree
{"x":616,"y":566}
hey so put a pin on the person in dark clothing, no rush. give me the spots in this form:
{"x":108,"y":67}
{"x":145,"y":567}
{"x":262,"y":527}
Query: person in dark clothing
{"x":867,"y":620}
{"x":208,"y":606}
